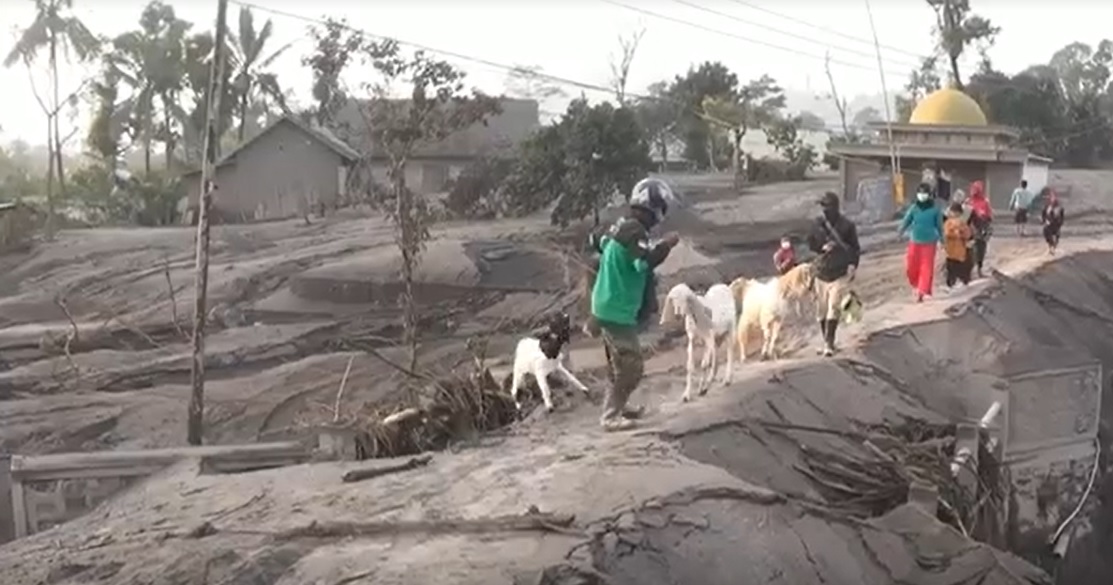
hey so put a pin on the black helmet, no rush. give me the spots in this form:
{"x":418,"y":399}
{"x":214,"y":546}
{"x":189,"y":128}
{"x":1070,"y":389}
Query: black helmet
{"x":653,"y":195}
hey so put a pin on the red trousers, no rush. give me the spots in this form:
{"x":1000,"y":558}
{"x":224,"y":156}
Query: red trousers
{"x":919,"y":264}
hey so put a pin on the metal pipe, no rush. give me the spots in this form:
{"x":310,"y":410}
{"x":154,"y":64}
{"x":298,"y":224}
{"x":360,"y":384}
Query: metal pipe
{"x":963,"y":454}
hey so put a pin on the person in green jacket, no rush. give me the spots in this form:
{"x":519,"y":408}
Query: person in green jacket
{"x":623,"y":284}
{"x":924,"y":224}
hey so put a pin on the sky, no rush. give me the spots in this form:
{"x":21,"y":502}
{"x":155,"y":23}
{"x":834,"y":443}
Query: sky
{"x":575,"y":39}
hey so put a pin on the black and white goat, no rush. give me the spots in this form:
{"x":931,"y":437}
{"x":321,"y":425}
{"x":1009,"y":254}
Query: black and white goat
{"x":543,"y":353}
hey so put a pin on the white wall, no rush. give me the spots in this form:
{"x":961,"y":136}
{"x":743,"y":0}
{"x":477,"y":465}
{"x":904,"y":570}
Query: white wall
{"x":1036,"y":173}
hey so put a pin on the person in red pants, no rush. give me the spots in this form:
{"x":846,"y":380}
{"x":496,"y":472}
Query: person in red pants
{"x":924,"y":224}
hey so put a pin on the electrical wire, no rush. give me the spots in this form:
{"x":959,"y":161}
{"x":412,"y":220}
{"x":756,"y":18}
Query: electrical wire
{"x":1082,"y":502}
{"x":540,"y":75}
{"x":549,"y":77}
{"x":822,"y":28}
{"x":735,"y":36}
{"x":790,"y":34}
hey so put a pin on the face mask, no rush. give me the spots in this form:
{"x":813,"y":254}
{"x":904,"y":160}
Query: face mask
{"x":786,"y":245}
{"x":922,"y":197}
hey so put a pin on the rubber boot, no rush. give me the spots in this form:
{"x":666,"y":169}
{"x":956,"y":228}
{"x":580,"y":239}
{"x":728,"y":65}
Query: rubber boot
{"x":829,"y":330}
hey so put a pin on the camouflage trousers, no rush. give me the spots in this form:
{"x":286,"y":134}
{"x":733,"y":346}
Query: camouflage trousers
{"x":625,"y":366}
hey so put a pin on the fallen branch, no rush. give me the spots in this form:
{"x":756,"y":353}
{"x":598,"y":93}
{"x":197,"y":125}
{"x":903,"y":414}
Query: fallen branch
{"x":354,"y":475}
{"x":71,"y":338}
{"x":173,"y":300}
{"x":357,"y":576}
{"x":530,"y":521}
{"x":340,"y":392}
{"x":229,"y":511}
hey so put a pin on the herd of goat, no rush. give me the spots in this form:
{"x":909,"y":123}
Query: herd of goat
{"x":724,"y":313}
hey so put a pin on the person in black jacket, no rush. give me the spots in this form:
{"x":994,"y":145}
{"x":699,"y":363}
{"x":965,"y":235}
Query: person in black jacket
{"x":835,"y":239}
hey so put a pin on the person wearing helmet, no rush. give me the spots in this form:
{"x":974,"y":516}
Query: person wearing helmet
{"x":623,"y":284}
{"x":835,"y":239}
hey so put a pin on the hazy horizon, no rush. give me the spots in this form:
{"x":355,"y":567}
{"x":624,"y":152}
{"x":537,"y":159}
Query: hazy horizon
{"x":512,"y":34}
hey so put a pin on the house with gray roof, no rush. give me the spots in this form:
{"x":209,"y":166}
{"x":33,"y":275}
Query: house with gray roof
{"x":432,"y":166}
{"x":293,"y":167}
{"x":287,"y":170}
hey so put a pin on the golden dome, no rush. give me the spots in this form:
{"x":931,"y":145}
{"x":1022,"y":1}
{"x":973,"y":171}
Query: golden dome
{"x":948,"y":107}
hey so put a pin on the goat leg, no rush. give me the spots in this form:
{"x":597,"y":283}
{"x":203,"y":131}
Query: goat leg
{"x":742,"y":332}
{"x":546,"y":391}
{"x":728,"y":376}
{"x":515,"y":386}
{"x":572,"y":379}
{"x":691,"y":365}
{"x":774,"y":337}
{"x":709,"y":359}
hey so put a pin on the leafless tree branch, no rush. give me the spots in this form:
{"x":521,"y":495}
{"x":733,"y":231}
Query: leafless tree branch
{"x":620,"y":66}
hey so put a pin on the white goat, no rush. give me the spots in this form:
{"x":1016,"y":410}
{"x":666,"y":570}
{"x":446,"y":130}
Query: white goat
{"x":706,"y":318}
{"x":765,"y":304}
{"x":540,"y":356}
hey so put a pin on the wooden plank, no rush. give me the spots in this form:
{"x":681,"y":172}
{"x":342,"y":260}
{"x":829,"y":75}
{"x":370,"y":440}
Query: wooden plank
{"x":135,"y":463}
{"x":7,"y":520}
{"x":19,"y":509}
{"x":94,"y":473}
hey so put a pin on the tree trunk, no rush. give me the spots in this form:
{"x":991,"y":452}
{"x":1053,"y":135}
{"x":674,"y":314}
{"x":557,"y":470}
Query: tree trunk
{"x":954,"y":72}
{"x":171,"y":141}
{"x":195,"y":424}
{"x":52,"y":140}
{"x":57,"y":110}
{"x":711,"y":152}
{"x":49,"y":228}
{"x":243,"y":113}
{"x":736,"y":160}
{"x":409,"y":239}
{"x":147,"y":152}
{"x":663,"y":146}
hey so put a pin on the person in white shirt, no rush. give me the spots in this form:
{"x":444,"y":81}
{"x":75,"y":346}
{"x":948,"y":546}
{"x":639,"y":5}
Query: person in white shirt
{"x":1019,"y":204}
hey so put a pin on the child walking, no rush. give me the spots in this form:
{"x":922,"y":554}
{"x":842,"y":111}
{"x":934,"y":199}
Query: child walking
{"x":784,"y":259}
{"x":1053,"y":218}
{"x":957,"y":238}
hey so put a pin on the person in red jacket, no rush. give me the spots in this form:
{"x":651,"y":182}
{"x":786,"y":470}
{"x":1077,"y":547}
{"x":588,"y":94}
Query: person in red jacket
{"x":784,"y":259}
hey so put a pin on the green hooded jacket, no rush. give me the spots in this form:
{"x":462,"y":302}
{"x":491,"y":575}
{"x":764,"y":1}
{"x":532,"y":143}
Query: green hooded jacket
{"x":625,"y":268}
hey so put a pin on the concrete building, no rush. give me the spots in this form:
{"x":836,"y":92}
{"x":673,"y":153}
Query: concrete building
{"x":948,"y":133}
{"x":284,"y":171}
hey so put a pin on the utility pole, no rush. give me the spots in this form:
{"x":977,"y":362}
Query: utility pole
{"x":196,"y":422}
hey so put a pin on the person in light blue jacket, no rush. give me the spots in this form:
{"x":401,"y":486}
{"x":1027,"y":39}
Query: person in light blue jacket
{"x":924,"y":224}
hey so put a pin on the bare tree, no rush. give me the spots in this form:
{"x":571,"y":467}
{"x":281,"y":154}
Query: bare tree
{"x":840,"y":103}
{"x":437,"y":108}
{"x":620,"y":65}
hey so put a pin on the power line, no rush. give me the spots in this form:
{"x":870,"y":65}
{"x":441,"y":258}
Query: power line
{"x":789,"y":34}
{"x":539,"y":74}
{"x":469,"y":58}
{"x":822,"y":28}
{"x":735,"y":36}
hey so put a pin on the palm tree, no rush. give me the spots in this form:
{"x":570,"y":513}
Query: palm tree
{"x":54,"y":30}
{"x":151,"y":61}
{"x":198,"y":72}
{"x":252,"y":81}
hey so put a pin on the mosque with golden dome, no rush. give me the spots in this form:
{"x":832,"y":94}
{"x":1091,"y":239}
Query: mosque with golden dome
{"x":949,"y":135}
